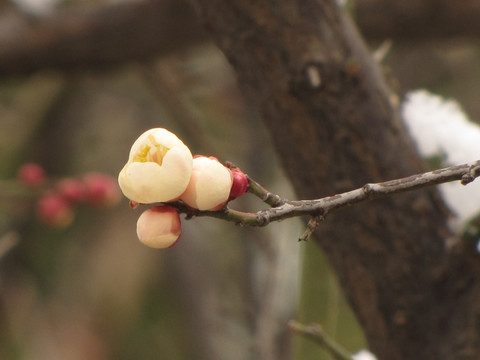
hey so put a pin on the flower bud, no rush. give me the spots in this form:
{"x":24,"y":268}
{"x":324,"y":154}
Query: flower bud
{"x":101,"y":190}
{"x":159,"y":227}
{"x":73,"y":190}
{"x":158,"y":168}
{"x":133,"y":204}
{"x":54,"y":210}
{"x":31,"y":174}
{"x":209,"y":186}
{"x":240,"y":184}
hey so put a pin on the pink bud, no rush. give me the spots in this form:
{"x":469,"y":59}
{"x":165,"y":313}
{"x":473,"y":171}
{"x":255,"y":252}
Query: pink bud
{"x":101,"y":190}
{"x":159,"y":227}
{"x":31,"y":174}
{"x":240,"y":184}
{"x":72,"y":190}
{"x":54,"y":210}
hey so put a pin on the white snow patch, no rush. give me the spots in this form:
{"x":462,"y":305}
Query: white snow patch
{"x":441,"y":128}
{"x":363,"y":355}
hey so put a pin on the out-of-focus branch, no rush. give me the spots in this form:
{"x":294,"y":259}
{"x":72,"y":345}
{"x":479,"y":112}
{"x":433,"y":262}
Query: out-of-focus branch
{"x":7,"y":242}
{"x":137,"y":30}
{"x":316,"y":333}
{"x":415,"y":20}
{"x":284,"y":209}
{"x":98,"y":38}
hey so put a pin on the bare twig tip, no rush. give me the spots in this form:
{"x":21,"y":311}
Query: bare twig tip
{"x":311,"y":227}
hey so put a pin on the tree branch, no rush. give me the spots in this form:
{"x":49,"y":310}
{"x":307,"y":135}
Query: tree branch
{"x":416,"y":20}
{"x":283,"y":209}
{"x":316,"y":333}
{"x":114,"y":34}
{"x":96,"y":39}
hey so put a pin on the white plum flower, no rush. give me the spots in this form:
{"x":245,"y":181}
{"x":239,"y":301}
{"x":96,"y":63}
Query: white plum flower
{"x":210,"y":185}
{"x":158,"y":168}
{"x":159,"y":227}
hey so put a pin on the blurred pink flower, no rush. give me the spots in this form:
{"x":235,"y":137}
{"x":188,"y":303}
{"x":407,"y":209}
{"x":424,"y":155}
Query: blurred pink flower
{"x":31,"y":174}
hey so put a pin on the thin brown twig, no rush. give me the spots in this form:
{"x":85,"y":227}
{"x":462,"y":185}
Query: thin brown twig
{"x":283,"y":209}
{"x":266,"y":196}
{"x":316,"y":333}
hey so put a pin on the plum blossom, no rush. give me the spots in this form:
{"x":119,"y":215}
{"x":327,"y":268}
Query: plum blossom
{"x":161,"y":169}
{"x":158,"y":168}
{"x":71,"y":189}
{"x":54,"y":210}
{"x":31,"y":174}
{"x":100,"y":190}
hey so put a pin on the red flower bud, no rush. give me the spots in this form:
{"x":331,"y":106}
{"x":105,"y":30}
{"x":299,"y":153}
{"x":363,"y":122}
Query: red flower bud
{"x":101,"y":190}
{"x":31,"y":174}
{"x":54,"y":210}
{"x":240,"y":184}
{"x":72,"y":190}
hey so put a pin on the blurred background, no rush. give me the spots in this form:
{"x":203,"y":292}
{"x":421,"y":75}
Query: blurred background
{"x":91,"y":290}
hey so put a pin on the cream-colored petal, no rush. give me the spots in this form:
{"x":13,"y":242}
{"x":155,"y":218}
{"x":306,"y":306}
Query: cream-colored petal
{"x":152,"y":137}
{"x":151,"y":183}
{"x":209,"y":186}
{"x":150,"y":177}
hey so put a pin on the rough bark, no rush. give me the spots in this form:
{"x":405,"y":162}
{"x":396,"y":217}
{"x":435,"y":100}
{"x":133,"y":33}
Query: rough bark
{"x":335,"y":127}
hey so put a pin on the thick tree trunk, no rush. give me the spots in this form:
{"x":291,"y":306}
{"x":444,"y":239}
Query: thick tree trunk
{"x":335,"y":126}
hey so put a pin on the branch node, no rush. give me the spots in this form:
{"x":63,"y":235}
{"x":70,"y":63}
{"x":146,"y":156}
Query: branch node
{"x":471,"y":175}
{"x":263,"y":194}
{"x":263,"y":218}
{"x":368,"y":189}
{"x":467,"y":179}
{"x":188,"y":216}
